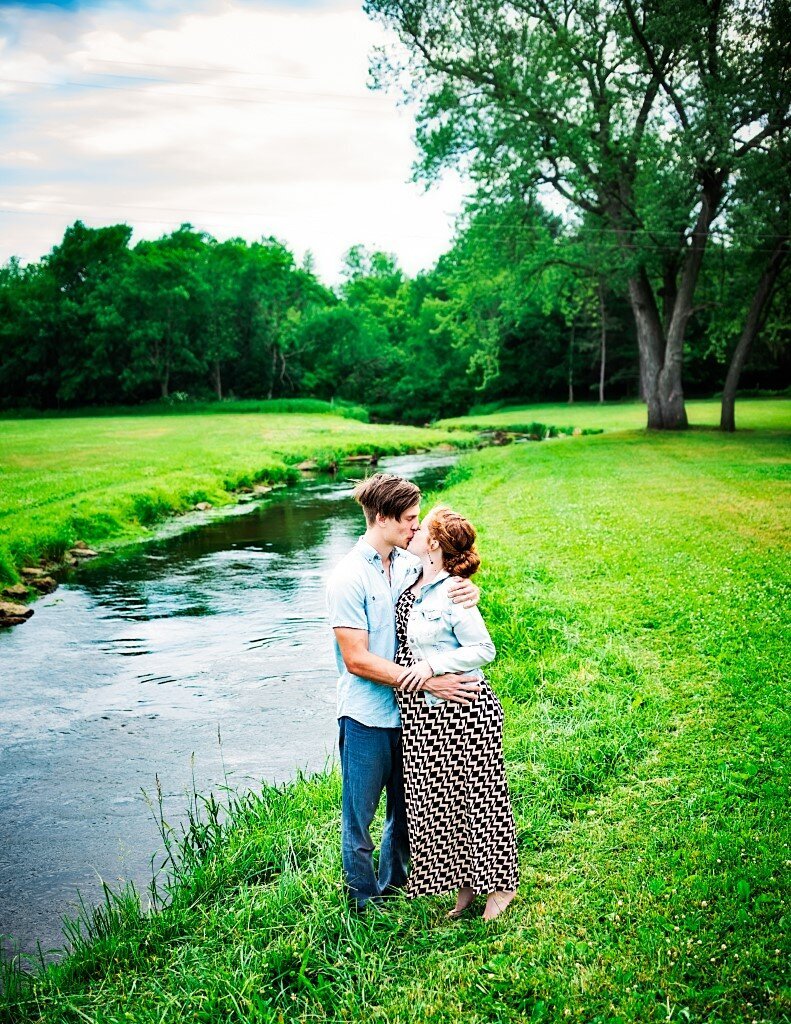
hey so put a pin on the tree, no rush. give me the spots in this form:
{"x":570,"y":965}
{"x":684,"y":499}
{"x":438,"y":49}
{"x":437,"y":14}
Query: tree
{"x":519,"y":286}
{"x":162,"y":301}
{"x":633,"y":112}
{"x":221,"y":271}
{"x":761,"y":225}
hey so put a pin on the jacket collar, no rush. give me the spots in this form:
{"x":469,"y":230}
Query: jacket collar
{"x":438,"y":579}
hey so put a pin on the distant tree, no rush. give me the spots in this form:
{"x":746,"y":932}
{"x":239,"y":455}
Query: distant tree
{"x":761,"y":228}
{"x":58,"y":342}
{"x":19,"y":343}
{"x":221,"y":270}
{"x":519,"y":286}
{"x":159,"y":299}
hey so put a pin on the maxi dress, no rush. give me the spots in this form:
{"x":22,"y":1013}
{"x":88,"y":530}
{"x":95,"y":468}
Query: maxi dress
{"x":459,"y":816}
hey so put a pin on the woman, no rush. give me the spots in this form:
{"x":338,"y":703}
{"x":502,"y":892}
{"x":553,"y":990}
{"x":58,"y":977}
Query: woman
{"x":461,"y":826}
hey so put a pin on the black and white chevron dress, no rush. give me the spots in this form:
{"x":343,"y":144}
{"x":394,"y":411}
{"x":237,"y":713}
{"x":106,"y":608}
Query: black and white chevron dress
{"x":461,"y":826}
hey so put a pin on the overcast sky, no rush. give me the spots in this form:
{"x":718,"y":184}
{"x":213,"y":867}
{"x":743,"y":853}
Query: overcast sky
{"x":242,"y":117}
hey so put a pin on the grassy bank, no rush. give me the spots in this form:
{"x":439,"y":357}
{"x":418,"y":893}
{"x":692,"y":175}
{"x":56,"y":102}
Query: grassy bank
{"x":100,"y":478}
{"x":751,"y":414}
{"x":637,"y":589}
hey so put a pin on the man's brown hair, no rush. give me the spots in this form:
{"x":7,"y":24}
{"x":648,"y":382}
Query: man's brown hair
{"x":386,"y":495}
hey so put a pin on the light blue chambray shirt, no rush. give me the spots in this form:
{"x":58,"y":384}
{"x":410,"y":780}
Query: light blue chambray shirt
{"x":359,"y":597}
{"x":446,"y":635}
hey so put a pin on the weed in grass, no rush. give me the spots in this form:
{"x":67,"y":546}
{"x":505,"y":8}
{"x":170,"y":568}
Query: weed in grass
{"x":8,"y":572}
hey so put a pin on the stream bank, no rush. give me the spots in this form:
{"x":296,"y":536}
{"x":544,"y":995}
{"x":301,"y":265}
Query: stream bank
{"x":134,"y":666}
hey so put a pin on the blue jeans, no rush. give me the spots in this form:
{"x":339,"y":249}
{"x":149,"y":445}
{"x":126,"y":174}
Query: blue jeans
{"x":371,"y":762}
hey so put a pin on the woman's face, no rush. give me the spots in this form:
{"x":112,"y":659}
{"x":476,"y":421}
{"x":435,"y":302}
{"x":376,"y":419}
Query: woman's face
{"x":421,"y":544}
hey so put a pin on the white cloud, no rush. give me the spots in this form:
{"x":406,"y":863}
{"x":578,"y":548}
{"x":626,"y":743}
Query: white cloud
{"x":19,"y":156}
{"x":241,"y":120}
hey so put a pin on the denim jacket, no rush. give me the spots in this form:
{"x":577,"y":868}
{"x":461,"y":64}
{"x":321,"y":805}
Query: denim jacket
{"x":450,"y":638}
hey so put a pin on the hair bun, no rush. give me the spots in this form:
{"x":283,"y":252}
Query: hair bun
{"x":463,"y":563}
{"x":456,"y":537}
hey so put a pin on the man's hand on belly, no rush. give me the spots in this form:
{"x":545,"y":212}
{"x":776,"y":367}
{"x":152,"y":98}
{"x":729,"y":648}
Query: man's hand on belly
{"x":457,"y":688}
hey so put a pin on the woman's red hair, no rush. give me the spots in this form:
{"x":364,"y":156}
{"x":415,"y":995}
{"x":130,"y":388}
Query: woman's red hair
{"x":456,"y":537}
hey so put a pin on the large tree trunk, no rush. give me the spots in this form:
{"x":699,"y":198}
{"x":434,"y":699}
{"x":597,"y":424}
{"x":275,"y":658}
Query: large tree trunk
{"x":217,"y":380}
{"x":756,"y":315}
{"x":650,"y":344}
{"x":671,"y":392}
{"x":571,"y":363}
{"x":661,"y":346}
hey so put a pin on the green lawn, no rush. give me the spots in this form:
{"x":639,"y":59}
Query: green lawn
{"x":98,"y":477}
{"x":751,"y":414}
{"x":637,"y":589}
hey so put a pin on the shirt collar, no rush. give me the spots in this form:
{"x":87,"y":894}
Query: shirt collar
{"x":372,"y":555}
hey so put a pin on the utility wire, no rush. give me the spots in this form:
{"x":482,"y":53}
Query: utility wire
{"x":217,"y":216}
{"x":217,"y":219}
{"x":496,"y":230}
{"x":264,"y":94}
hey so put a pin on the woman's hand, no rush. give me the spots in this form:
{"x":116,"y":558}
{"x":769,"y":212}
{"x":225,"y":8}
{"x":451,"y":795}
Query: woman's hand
{"x":413,"y":678}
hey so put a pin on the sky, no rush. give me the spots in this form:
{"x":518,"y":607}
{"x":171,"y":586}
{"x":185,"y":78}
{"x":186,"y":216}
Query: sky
{"x":242,"y":117}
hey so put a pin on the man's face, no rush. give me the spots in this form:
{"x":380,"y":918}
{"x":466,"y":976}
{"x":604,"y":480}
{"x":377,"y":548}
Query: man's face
{"x":399,"y":532}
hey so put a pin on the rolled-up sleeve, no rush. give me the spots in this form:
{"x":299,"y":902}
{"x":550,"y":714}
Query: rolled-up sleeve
{"x":346,"y":602}
{"x":476,"y":648}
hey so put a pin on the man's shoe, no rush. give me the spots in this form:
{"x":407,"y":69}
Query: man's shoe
{"x":371,"y":906}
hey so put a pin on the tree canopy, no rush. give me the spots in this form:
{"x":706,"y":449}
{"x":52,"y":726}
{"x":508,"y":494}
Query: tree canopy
{"x":642,"y":116}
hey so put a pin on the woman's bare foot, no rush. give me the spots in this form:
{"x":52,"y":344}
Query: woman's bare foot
{"x":463,"y":900}
{"x":496,"y":904}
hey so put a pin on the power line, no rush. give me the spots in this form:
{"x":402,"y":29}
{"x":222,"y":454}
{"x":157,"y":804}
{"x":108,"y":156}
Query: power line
{"x":494,"y":230}
{"x":215,"y":217}
{"x":264,"y":95}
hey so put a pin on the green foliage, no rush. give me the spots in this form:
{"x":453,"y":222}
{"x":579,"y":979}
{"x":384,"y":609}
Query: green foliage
{"x":516,"y":309}
{"x":8,"y":573}
{"x":616,"y":107}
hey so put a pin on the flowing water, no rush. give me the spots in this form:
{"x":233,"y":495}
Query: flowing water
{"x":130,"y":670}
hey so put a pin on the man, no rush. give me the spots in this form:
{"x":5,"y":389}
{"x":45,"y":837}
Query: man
{"x":362,"y":592}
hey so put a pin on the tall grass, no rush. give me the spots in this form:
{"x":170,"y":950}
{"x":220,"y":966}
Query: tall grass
{"x":637,"y":591}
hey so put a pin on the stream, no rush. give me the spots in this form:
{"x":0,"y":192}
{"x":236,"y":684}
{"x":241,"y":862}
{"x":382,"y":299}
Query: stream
{"x":205,"y":654}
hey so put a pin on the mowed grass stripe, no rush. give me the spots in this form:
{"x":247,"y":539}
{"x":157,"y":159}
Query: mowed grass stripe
{"x":751,"y":414}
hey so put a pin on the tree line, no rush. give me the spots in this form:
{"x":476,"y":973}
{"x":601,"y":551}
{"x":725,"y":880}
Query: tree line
{"x":662,"y":129}
{"x":520,"y":308}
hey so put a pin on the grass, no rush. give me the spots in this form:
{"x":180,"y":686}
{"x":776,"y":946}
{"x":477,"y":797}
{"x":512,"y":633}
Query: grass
{"x":637,"y":588}
{"x":102,"y":478}
{"x":751,"y":414}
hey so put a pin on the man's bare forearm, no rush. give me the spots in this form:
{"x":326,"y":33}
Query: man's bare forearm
{"x":371,"y":666}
